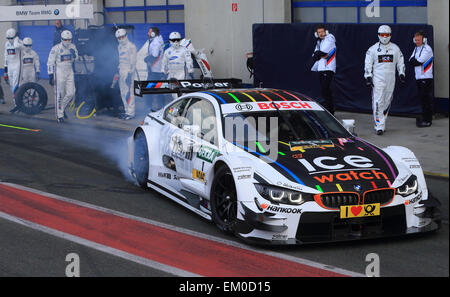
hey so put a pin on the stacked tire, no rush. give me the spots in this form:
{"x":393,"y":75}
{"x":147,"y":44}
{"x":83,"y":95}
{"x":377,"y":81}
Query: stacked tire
{"x":31,"y":98}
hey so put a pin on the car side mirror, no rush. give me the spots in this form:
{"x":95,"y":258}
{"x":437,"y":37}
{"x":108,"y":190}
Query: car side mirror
{"x":349,"y":125}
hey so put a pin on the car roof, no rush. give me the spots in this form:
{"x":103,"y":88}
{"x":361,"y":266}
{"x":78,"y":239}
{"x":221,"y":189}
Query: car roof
{"x":255,"y":95}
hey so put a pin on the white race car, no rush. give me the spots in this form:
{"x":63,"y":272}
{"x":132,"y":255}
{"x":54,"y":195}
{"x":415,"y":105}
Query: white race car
{"x":273,"y":166}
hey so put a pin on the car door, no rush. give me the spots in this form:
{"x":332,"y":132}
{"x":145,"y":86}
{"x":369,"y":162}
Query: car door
{"x":202,"y":133}
{"x":173,"y":143}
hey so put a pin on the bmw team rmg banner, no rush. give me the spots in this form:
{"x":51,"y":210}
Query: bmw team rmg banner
{"x":75,"y":10}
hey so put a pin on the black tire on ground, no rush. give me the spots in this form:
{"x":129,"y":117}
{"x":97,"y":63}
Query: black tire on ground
{"x":31,"y":98}
{"x":141,"y":159}
{"x":224,"y":200}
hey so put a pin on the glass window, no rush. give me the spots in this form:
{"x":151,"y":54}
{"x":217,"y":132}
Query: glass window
{"x":386,"y":15}
{"x":308,"y":14}
{"x":201,"y":115}
{"x":337,"y":11}
{"x":173,"y":113}
{"x":342,"y":15}
{"x":412,"y":15}
{"x":292,"y":126}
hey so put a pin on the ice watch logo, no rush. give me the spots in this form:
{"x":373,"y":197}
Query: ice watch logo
{"x":329,"y":163}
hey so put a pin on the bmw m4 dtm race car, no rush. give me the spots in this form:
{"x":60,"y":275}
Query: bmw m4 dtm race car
{"x":273,"y":166}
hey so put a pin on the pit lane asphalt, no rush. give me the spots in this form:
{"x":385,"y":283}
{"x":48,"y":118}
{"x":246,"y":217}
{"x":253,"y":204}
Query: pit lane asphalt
{"x":84,"y":163}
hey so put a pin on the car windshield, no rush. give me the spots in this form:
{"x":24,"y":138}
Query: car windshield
{"x":285,"y":126}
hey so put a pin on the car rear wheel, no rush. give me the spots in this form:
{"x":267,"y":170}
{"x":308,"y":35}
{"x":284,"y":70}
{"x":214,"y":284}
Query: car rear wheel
{"x":141,"y":160}
{"x":224,"y":200}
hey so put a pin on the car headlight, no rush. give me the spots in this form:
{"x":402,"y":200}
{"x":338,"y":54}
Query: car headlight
{"x":282,"y":195}
{"x":411,"y":186}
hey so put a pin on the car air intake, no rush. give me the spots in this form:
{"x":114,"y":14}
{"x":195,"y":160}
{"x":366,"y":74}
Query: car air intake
{"x":382,"y":196}
{"x":336,"y":200}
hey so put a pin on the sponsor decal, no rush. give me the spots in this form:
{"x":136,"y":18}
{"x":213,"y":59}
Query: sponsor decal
{"x":66,"y":58}
{"x":286,"y":185}
{"x":331,"y":163}
{"x":246,"y":176}
{"x":409,"y":160}
{"x":414,"y":200}
{"x":414,"y":166}
{"x":304,"y":145}
{"x":386,"y":59}
{"x":270,"y":106}
{"x":350,"y":176}
{"x":285,"y":105}
{"x":357,"y":188}
{"x":28,"y":60}
{"x":279,"y":237}
{"x":279,"y":209}
{"x":241,"y":169}
{"x":182,"y":150}
{"x":198,"y":175}
{"x":207,"y":154}
{"x":343,"y":141}
{"x":165,"y":175}
{"x":297,"y":156}
{"x":242,"y":107}
{"x":360,"y":211}
{"x":187,"y":84}
{"x":11,"y":51}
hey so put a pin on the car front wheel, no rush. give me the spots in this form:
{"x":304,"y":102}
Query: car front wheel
{"x":224,"y":200}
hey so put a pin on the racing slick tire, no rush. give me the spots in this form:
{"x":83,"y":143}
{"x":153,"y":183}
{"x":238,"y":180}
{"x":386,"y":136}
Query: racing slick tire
{"x":224,"y":200}
{"x":141,"y":160}
{"x":31,"y":98}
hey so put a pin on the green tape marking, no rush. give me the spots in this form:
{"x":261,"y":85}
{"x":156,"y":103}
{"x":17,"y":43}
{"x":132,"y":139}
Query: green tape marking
{"x":20,"y":128}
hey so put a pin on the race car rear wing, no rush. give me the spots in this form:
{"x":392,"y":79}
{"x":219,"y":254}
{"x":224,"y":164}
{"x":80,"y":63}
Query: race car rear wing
{"x":183,"y":86}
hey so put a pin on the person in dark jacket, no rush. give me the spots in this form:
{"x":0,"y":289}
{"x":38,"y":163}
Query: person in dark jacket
{"x":59,"y":29}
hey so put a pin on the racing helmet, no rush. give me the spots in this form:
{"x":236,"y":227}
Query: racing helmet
{"x":66,"y":38}
{"x":384,"y":34}
{"x":11,"y":33}
{"x":27,"y":41}
{"x":175,"y":39}
{"x":121,"y":35}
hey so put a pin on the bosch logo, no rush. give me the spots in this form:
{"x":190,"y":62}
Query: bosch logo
{"x":242,"y":107}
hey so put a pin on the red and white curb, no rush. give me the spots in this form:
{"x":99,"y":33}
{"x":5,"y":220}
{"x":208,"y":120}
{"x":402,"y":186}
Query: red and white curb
{"x":172,"y":249}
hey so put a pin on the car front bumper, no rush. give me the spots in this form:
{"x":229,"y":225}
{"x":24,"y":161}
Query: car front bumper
{"x":327,"y":226}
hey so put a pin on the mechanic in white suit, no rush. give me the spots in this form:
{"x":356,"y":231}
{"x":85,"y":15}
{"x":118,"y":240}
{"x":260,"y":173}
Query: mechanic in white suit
{"x":199,"y":56}
{"x":177,"y":59}
{"x":61,"y":74}
{"x":127,"y":69}
{"x":325,"y":63}
{"x":382,"y":59}
{"x":13,"y":53}
{"x":30,"y":62}
{"x":422,"y":60}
